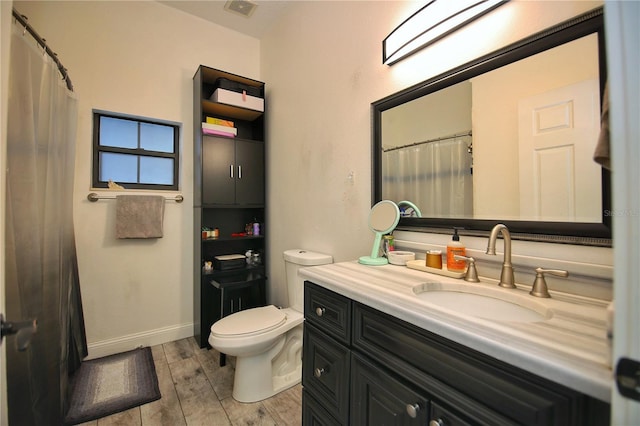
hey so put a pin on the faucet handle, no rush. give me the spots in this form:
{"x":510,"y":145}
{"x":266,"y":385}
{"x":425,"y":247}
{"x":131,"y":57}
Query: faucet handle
{"x":472,"y":273}
{"x":539,"y":288}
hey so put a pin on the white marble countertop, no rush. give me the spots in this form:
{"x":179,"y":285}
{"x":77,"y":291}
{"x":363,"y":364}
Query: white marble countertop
{"x":570,"y":348}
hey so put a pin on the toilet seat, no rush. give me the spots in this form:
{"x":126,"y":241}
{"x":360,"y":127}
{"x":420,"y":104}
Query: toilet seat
{"x":249,"y":322}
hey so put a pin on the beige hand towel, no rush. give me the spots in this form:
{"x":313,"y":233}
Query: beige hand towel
{"x":139,"y":216}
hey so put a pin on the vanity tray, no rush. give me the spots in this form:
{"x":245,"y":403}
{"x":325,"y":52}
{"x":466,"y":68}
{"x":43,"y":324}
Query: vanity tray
{"x":420,"y":266}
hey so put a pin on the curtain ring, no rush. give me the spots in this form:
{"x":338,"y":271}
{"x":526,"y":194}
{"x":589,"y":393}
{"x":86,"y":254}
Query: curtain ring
{"x":24,"y":30}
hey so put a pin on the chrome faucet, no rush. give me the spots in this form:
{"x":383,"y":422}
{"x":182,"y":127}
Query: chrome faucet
{"x":506,"y":276}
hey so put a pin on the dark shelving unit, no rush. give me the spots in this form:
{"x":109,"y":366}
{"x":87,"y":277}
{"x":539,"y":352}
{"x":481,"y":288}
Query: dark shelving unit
{"x":229,"y":192}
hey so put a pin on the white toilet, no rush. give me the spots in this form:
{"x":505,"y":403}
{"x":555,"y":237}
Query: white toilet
{"x":267,"y":341}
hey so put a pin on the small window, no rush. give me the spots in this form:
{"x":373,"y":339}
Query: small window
{"x":136,"y":153}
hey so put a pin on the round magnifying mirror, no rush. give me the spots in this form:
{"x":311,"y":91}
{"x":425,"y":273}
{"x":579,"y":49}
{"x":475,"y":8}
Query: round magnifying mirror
{"x":383,"y":218}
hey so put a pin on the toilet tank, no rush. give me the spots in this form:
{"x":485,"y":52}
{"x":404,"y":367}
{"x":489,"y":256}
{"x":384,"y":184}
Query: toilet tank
{"x":293,"y":261}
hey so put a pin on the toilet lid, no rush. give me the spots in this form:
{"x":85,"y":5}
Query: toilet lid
{"x":249,"y":321}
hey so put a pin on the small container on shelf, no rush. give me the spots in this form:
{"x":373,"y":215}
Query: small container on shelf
{"x":434,"y":259}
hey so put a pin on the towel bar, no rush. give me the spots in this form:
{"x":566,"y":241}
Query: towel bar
{"x":93,"y":197}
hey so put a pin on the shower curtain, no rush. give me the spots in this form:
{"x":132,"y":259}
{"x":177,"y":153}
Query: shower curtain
{"x":41,"y":265}
{"x":436,"y":176}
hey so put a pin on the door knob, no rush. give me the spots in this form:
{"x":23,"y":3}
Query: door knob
{"x":22,"y":329}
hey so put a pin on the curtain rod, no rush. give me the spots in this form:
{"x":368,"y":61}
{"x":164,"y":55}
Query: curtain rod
{"x":443,"y":138}
{"x":42,"y":42}
{"x":93,"y":197}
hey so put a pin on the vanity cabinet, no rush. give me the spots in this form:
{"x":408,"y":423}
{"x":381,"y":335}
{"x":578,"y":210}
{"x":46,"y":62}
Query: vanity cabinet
{"x":229,"y":193}
{"x":400,"y":374}
{"x":326,"y":354}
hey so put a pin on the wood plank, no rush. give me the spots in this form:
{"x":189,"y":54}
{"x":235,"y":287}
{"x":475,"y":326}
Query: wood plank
{"x":178,"y":350}
{"x":221,"y":378}
{"x":167,"y":410}
{"x":199,"y":402}
{"x":247,"y":414}
{"x":286,"y":407}
{"x":158,"y":354}
{"x":130,"y":417}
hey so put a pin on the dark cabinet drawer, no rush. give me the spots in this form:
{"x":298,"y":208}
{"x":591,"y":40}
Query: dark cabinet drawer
{"x":325,"y":372}
{"x":313,"y":414}
{"x":377,"y":398}
{"x":329,"y":311}
{"x":441,"y":416}
{"x":468,"y":380}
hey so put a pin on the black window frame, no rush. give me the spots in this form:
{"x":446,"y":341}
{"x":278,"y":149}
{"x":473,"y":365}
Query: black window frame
{"x":97,"y":149}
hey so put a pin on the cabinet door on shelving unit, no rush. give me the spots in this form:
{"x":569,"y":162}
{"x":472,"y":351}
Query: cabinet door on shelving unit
{"x":218,"y":170}
{"x":250,"y":182}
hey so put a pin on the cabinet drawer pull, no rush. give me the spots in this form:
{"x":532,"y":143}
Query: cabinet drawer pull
{"x":319,"y":311}
{"x":436,"y":422}
{"x":318,"y":372}
{"x":412,"y":411}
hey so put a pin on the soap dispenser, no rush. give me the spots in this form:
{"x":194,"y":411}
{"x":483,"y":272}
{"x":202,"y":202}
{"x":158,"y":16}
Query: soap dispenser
{"x":455,"y":247}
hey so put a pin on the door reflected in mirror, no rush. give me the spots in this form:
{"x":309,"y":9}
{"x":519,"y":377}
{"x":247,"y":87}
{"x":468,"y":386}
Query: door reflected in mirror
{"x":514,"y":143}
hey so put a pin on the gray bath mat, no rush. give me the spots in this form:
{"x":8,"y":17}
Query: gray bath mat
{"x":115,"y":383}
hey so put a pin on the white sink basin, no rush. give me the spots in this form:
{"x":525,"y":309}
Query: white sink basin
{"x":497,"y":304}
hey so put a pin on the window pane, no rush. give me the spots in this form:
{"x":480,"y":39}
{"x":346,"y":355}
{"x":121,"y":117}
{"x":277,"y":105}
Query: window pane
{"x":156,"y":137}
{"x":118,"y":133}
{"x":146,"y":152}
{"x":156,"y":170}
{"x":118,"y":167}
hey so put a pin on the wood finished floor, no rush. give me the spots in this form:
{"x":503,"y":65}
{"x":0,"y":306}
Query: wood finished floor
{"x":197,"y":391}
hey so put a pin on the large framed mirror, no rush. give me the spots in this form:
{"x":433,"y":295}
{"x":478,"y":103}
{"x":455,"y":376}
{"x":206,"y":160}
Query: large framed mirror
{"x":508,"y":137}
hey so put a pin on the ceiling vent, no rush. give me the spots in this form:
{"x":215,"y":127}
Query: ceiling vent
{"x":241,"y":7}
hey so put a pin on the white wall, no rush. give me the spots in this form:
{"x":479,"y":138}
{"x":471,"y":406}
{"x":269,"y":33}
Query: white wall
{"x":495,"y":127}
{"x":443,"y":113}
{"x":136,"y":58}
{"x":323,"y":68}
{"x":322,"y":65}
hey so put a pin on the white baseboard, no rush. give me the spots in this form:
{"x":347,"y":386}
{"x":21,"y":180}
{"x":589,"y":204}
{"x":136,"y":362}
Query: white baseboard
{"x":132,"y":341}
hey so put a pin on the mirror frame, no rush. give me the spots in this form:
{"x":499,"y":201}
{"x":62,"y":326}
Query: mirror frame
{"x":584,"y":233}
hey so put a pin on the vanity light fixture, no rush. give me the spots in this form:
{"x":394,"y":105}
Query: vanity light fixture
{"x":432,"y":22}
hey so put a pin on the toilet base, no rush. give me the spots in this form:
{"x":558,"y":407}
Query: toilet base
{"x":260,"y":377}
{"x":283,"y":383}
{"x":256,"y":390}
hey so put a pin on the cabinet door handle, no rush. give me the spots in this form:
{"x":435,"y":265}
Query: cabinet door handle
{"x":436,"y":422}
{"x":318,"y":372}
{"x":239,"y":172}
{"x":231,"y":170}
{"x":319,"y":311}
{"x":412,"y":410}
